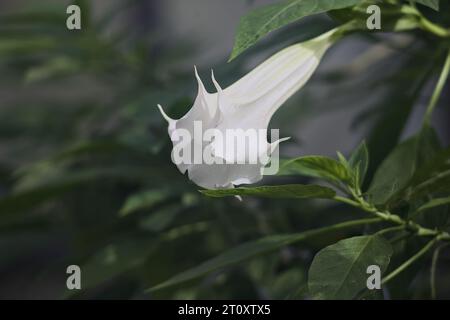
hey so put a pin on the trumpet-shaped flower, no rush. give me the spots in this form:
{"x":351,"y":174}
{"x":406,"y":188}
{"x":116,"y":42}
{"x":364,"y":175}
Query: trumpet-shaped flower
{"x":246,"y":105}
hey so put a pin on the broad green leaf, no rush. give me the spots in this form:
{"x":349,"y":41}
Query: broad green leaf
{"x":318,"y":167}
{"x":252,"y":249}
{"x":359,"y":161}
{"x":397,"y":170}
{"x":263,"y":20}
{"x":281,"y":191}
{"x":339,"y":271}
{"x":434,"y":203}
{"x":436,"y":215}
{"x":387,"y":129}
{"x":428,"y":145}
{"x":433,"y":177}
{"x":394,"y":173}
{"x":433,"y":4}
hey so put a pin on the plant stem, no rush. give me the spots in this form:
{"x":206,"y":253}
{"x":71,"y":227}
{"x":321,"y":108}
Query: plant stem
{"x":424,"y":23}
{"x":433,"y":270}
{"x":437,"y":235}
{"x":346,"y":200}
{"x":359,"y":202}
{"x":387,"y":230}
{"x":410,"y":261}
{"x":437,"y":30}
{"x":437,"y":90}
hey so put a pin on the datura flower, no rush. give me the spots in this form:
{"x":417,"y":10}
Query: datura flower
{"x":209,"y":140}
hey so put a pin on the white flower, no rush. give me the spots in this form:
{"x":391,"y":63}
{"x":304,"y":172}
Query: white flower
{"x":249,"y":103}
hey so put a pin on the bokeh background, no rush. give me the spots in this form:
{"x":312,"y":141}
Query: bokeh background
{"x":85,"y":170}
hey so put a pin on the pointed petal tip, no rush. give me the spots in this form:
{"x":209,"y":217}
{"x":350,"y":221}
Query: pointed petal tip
{"x":201,"y":87}
{"x":196,"y":71}
{"x":280,"y":140}
{"x":165,"y":116}
{"x":216,"y":84}
{"x":275,"y":144}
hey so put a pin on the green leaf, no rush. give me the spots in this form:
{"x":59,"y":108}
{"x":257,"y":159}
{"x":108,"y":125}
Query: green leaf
{"x":318,"y":167}
{"x":56,"y":67}
{"x":433,"y":177}
{"x":396,"y":171}
{"x":434,"y":203}
{"x":252,"y":249}
{"x":298,"y":191}
{"x":160,"y":219}
{"x":428,"y":145}
{"x":359,"y":161}
{"x":142,"y":200}
{"x":433,"y":4}
{"x":261,"y":21}
{"x":339,"y":271}
{"x":343,"y":160}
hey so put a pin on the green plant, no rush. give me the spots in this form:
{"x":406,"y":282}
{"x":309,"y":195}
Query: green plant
{"x":86,"y":178}
{"x":411,"y":180}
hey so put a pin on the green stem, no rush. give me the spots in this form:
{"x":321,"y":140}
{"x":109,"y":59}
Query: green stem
{"x":346,"y":200}
{"x":387,"y":230}
{"x":387,"y":216}
{"x":433,"y":270}
{"x":437,"y":90}
{"x":410,"y":261}
{"x":429,"y":26}
{"x":424,"y":23}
